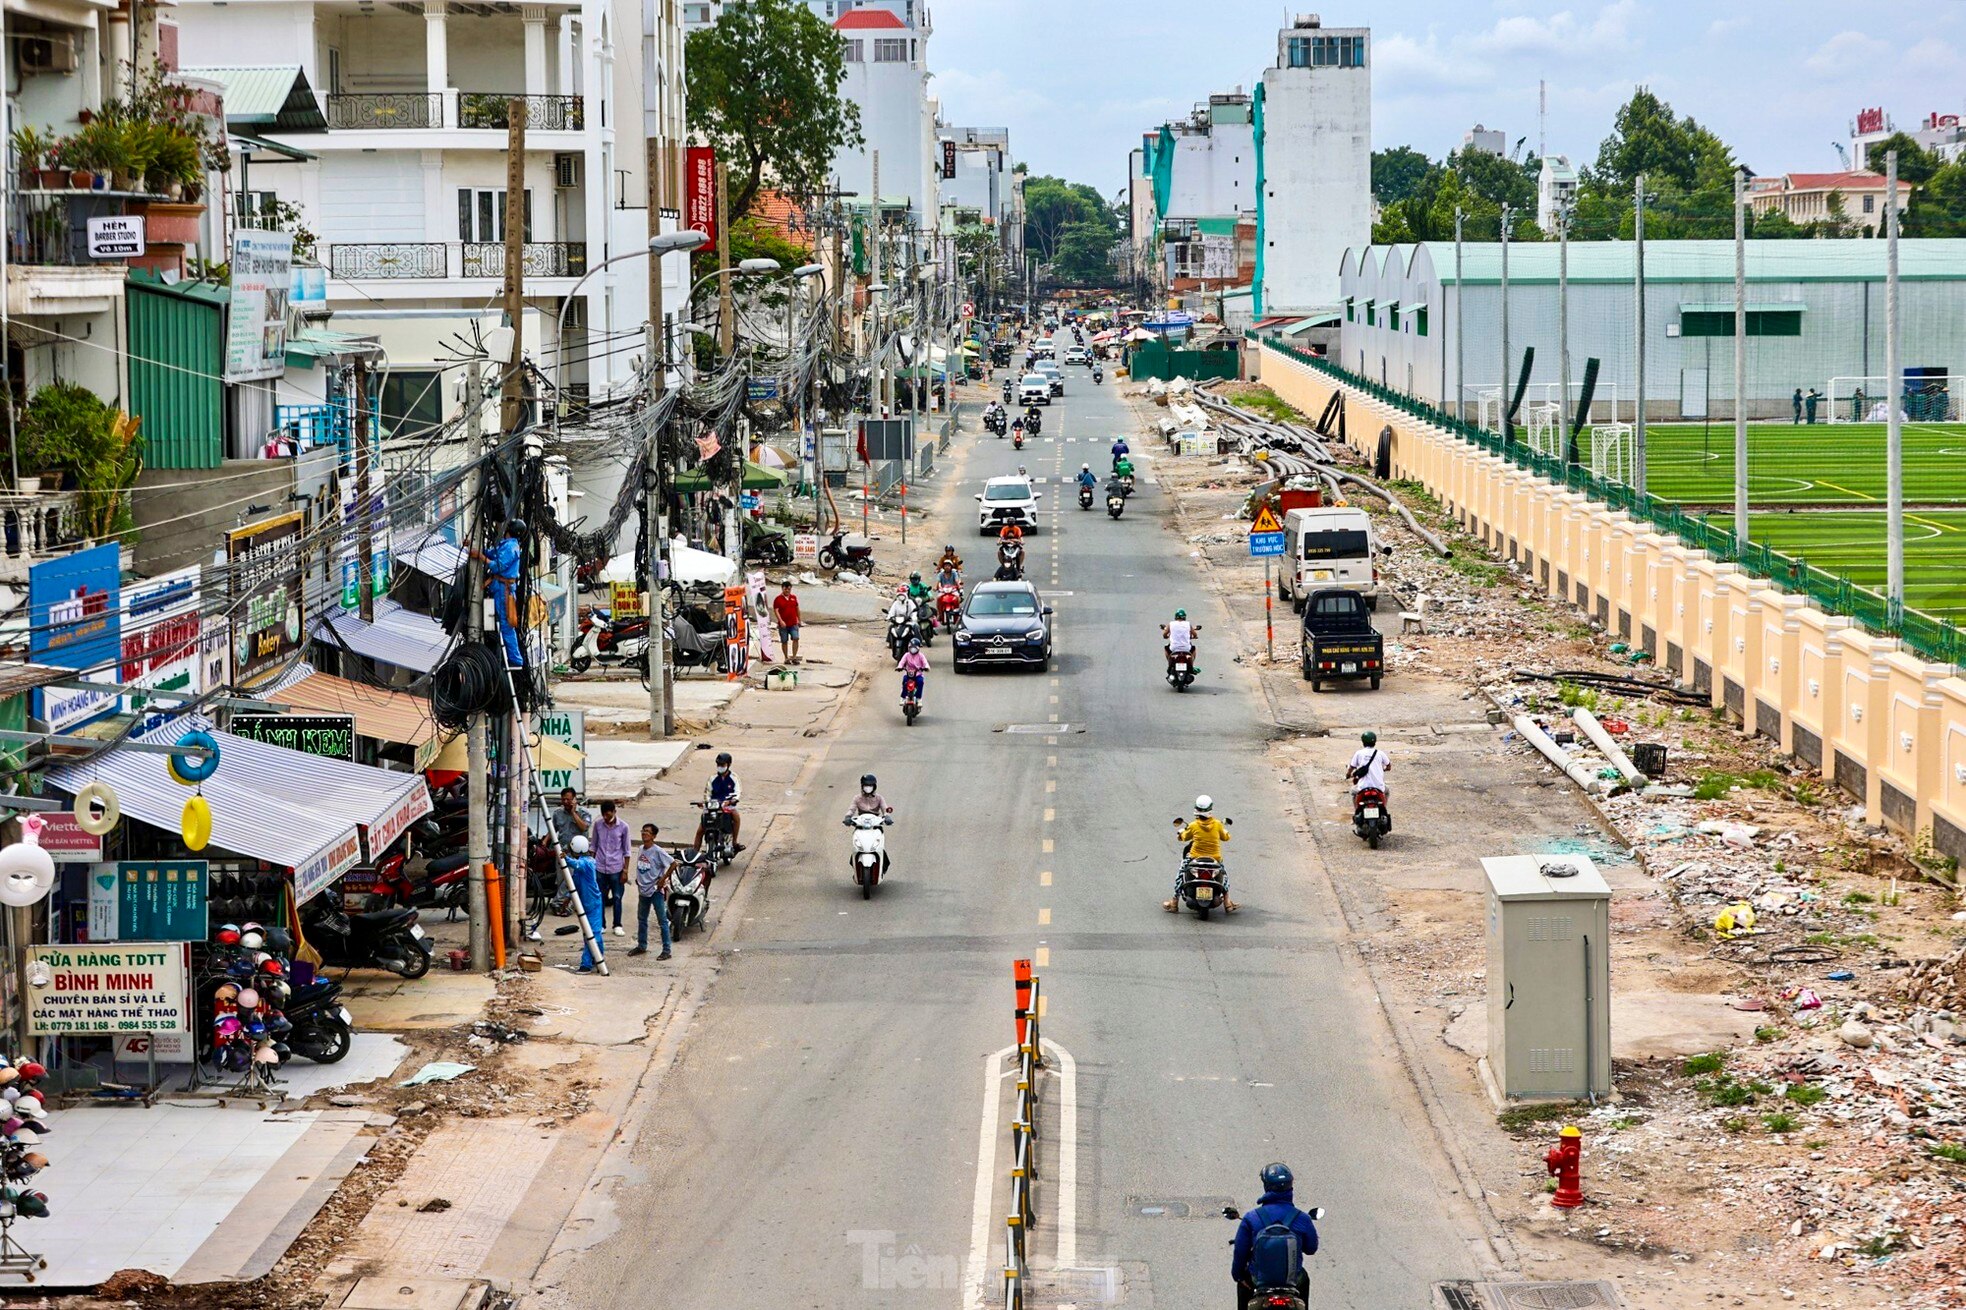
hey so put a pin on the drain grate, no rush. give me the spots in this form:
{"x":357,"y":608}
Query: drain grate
{"x":1593,"y":1295}
{"x":1456,"y":1296}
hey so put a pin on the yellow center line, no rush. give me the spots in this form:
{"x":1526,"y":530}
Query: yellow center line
{"x":1051,"y":761}
{"x":1047,"y":846}
{"x":1050,"y":815}
{"x":1931,"y":523}
{"x":1051,"y":784}
{"x":1042,"y":957}
{"x":1845,"y":490}
{"x":1044,"y":917}
{"x":1044,"y":878}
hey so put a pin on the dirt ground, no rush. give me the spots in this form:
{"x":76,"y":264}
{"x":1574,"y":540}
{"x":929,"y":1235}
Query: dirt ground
{"x":1788,"y":1126}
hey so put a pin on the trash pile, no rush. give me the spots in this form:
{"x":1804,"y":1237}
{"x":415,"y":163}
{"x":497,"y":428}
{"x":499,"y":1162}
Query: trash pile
{"x":1939,"y":983}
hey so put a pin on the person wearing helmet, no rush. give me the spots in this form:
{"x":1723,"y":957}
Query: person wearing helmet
{"x":913,"y":668}
{"x":1201,"y":839}
{"x":1178,"y":637}
{"x":1265,"y":1257}
{"x":1368,"y":768}
{"x":587,"y":887}
{"x":722,"y":790}
{"x":950,"y":562}
{"x":1120,"y":451}
{"x":917,"y":589}
{"x":503,"y":564}
{"x":869,"y":800}
{"x":1086,"y":477}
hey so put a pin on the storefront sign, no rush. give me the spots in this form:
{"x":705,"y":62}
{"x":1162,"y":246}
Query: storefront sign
{"x":256,"y":316}
{"x":568,"y":727}
{"x":759,"y":389}
{"x":162,"y":638}
{"x":64,"y":839}
{"x":626,"y":600}
{"x":383,"y":833}
{"x":331,"y":736}
{"x":215,"y":649}
{"x":75,"y":620}
{"x":150,"y":900}
{"x":315,"y":876}
{"x":737,"y":637}
{"x":805,"y":546}
{"x":130,"y":987}
{"x":265,"y":600}
{"x":700,"y":196}
{"x":116,"y":236}
{"x":165,"y":1048}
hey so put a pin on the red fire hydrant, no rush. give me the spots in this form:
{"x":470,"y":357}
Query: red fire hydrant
{"x":1566,"y":1161}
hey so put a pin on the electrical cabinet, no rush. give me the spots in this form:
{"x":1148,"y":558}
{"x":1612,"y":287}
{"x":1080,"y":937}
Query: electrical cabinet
{"x":1549,"y":976}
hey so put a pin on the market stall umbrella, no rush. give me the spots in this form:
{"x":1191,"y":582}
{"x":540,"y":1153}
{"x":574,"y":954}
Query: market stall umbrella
{"x":756,"y":478}
{"x":771,"y":457}
{"x":687,"y":565}
{"x":1141,"y":334}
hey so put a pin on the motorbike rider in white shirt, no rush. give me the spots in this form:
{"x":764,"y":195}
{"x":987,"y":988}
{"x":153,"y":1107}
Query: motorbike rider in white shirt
{"x":1368,"y":767}
{"x":1179,"y":635}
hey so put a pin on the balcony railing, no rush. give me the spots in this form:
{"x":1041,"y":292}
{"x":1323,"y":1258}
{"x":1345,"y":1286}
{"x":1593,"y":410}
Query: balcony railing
{"x":396,"y":109}
{"x":388,"y":111}
{"x":543,"y":113}
{"x":396,"y":260}
{"x":52,"y":227}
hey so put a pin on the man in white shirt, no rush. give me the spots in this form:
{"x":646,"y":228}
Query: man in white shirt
{"x":1179,"y":635}
{"x":1369,"y":765}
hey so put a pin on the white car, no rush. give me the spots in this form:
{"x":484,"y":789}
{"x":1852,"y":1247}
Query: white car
{"x":1034,"y":389}
{"x":1007,"y":500}
{"x":1077,"y":355}
{"x":1047,"y":350}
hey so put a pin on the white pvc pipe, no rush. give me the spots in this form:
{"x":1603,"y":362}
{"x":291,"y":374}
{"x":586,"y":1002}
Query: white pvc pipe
{"x":1556,"y":754}
{"x":1611,"y":749}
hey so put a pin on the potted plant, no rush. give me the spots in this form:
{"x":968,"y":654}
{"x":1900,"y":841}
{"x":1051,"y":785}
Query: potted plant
{"x":30,"y":152}
{"x":67,"y":157}
{"x":177,"y":164}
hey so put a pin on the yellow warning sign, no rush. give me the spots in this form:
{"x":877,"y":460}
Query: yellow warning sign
{"x":1265,"y":521}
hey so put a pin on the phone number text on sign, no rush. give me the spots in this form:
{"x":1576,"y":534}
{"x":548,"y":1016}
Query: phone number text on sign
{"x":140,"y":987}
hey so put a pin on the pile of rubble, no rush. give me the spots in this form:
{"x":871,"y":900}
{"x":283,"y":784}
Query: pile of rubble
{"x":1939,"y":983}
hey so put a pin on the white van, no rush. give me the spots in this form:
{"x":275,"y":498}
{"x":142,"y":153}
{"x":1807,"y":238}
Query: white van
{"x":1331,"y":546}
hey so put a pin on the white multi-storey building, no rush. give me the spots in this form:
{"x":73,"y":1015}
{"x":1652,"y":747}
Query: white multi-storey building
{"x":1314,"y":144}
{"x":1556,"y":190}
{"x":887,"y":77}
{"x":386,"y":128}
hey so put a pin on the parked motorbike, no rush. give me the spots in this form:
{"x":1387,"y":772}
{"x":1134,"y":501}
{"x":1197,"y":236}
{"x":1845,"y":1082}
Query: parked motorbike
{"x":323,"y":1029}
{"x":1204,"y":882}
{"x":842,"y":551}
{"x":605,"y":640}
{"x":763,"y":546}
{"x":1085,"y":496}
{"x":911,"y":696}
{"x":689,"y":889}
{"x":870,"y":861}
{"x":949,"y":607}
{"x":1371,"y":819}
{"x":719,"y":832}
{"x":689,"y":646}
{"x":381,"y":939}
{"x":1288,"y":1297}
{"x":1180,"y":669}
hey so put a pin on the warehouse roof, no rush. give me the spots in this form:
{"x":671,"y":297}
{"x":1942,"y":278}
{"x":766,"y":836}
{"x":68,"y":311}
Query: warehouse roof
{"x":1535,"y":262}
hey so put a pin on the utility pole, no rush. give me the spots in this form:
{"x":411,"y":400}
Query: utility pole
{"x":877,"y":378}
{"x":477,"y":772}
{"x":1638,"y":333}
{"x":661,"y":716}
{"x":1502,"y":404}
{"x":1460,"y":337}
{"x":364,"y":517}
{"x":1740,"y":358}
{"x":726,"y":344}
{"x":512,"y":395}
{"x":1563,"y":330}
{"x":1894,"y":421}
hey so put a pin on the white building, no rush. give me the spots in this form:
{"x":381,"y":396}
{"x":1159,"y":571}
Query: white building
{"x":1487,"y":140}
{"x":1314,"y":170}
{"x":1860,"y":197}
{"x":386,"y":127}
{"x":887,"y":77}
{"x":1556,"y":190}
{"x":1942,"y":133}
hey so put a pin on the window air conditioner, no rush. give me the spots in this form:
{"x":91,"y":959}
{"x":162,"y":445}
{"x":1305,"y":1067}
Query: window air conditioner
{"x":566,"y":170}
{"x":47,"y":54}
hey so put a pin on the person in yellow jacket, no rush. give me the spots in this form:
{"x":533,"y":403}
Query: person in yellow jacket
{"x":1201,"y":839}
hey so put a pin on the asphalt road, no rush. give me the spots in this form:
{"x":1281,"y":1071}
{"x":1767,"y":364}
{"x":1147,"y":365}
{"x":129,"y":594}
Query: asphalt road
{"x":817,"y":1142}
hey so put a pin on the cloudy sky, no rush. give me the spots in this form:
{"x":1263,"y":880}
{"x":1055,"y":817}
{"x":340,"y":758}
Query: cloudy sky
{"x":1077,"y":81}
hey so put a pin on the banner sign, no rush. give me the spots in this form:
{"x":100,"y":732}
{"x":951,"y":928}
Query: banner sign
{"x":760,"y":389}
{"x":382,"y":834}
{"x":331,"y":736}
{"x":330,"y":862}
{"x":265,"y":600}
{"x":150,"y":900}
{"x":76,"y":622}
{"x":626,"y":600}
{"x":948,"y":159}
{"x":256,"y":315}
{"x":569,"y":728}
{"x":737,"y":637}
{"x":700,"y":191}
{"x":67,"y":841}
{"x":162,"y":638}
{"x":130,"y":987}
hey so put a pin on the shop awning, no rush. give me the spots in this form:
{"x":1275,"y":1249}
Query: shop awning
{"x":433,"y":556}
{"x":393,"y":716}
{"x":410,"y":641}
{"x":551,"y":753}
{"x":756,"y":478}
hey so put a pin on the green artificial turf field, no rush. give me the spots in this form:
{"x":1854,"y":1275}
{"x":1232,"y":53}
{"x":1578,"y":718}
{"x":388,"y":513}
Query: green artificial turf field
{"x":1851,"y":545}
{"x":1823,"y":464}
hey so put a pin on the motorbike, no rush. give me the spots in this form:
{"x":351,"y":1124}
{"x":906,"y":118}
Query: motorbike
{"x":1010,"y":564}
{"x":995,"y":421}
{"x":1033,"y":421}
{"x":323,"y":1029}
{"x":1115,"y":500}
{"x":719,"y":839}
{"x":690,"y":646}
{"x":1098,"y":376}
{"x":381,"y":939}
{"x":1180,"y":669}
{"x":1006,"y":397}
{"x":1288,"y":1297}
{"x":925,"y":611}
{"x":1204,"y":882}
{"x":763,"y":546}
{"x":1017,"y":439}
{"x":911,"y":696}
{"x":689,"y":889}
{"x":842,"y":551}
{"x":870,"y":860}
{"x":1085,"y":495}
{"x":1371,"y":820}
{"x":604,"y":639}
{"x":1126,"y":483}
{"x":949,"y":606}
{"x":901,"y":631}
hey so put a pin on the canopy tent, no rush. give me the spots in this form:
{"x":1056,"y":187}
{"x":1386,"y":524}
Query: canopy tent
{"x":756,"y":478}
{"x":300,"y":811}
{"x":1141,"y":334}
{"x":771,"y":457}
{"x":687,"y":565}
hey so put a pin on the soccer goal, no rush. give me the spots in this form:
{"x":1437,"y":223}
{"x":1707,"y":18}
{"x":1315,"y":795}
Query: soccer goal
{"x":1611,"y":452}
{"x":1540,"y":395}
{"x":1546,"y":429}
{"x":1866,"y":400}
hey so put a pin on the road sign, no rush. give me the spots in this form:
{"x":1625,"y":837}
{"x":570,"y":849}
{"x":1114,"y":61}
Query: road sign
{"x":1265,"y":544}
{"x":1265,"y":521}
{"x":114,"y":237}
{"x":969,"y":309}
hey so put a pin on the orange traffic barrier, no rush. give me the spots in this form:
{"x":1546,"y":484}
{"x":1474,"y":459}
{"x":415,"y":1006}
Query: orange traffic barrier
{"x":1021,"y":974}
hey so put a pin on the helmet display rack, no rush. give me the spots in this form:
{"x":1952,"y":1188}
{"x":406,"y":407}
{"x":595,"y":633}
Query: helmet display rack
{"x":15,"y":1258}
{"x":19,"y":1163}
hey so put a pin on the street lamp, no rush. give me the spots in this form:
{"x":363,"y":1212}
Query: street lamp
{"x":664,"y":244}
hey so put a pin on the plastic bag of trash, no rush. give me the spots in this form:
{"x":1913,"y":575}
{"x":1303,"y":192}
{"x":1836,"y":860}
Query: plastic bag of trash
{"x":1736,"y":920}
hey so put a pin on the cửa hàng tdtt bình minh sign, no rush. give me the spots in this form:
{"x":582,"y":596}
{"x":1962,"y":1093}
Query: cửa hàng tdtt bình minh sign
{"x":128,"y":987}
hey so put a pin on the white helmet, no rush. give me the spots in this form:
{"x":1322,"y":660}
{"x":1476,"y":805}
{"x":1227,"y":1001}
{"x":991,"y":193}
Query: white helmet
{"x":1203,"y":804}
{"x":578,"y":845}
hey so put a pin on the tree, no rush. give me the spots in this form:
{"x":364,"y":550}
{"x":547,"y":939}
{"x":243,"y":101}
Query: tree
{"x":1916,"y":164}
{"x":763,"y":84}
{"x":1646,"y":137}
{"x":1084,"y":253}
{"x":1398,"y":173}
{"x":1494,"y":179}
{"x":1051,"y":204}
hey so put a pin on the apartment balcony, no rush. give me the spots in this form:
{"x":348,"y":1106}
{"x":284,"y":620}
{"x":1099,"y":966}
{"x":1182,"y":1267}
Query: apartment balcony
{"x":51,"y":271}
{"x":400,"y":111}
{"x":394,"y":261}
{"x":36,"y":526}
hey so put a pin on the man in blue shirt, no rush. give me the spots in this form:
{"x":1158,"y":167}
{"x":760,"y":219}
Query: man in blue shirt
{"x":586,"y":887}
{"x":1120,"y":451}
{"x":502,"y":567}
{"x":723,"y":790}
{"x":1252,"y":1257}
{"x":610,"y":843}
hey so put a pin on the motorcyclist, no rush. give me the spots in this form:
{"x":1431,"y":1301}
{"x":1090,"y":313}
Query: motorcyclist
{"x":950,"y":561}
{"x":869,"y":800}
{"x":1123,"y":470}
{"x":913,"y":667}
{"x":1017,"y":430}
{"x":1368,"y":768}
{"x":723,"y":790}
{"x":1120,"y":451}
{"x":1098,"y":375}
{"x":1201,"y":839}
{"x":1178,"y":638}
{"x":918,"y":590}
{"x":1086,"y":478}
{"x":1275,"y":1207}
